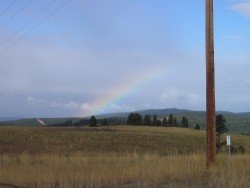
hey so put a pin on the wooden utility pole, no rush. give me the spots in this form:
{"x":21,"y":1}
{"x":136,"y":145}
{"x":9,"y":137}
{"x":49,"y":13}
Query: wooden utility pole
{"x":210,"y":81}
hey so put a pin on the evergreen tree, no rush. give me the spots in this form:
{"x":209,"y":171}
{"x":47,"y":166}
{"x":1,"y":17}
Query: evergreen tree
{"x":175,"y":122}
{"x":68,"y":123}
{"x":155,"y":121}
{"x":187,"y":124}
{"x":104,"y":122}
{"x":92,"y":121}
{"x":137,"y":119}
{"x":184,"y":122}
{"x":158,"y":122}
{"x":134,"y":119}
{"x":221,"y":127}
{"x":147,"y":120}
{"x":197,"y":126}
{"x":130,"y":119}
{"x":164,"y":121}
{"x":221,"y":124}
{"x":171,"y":120}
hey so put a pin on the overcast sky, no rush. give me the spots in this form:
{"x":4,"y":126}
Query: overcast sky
{"x":96,"y":56}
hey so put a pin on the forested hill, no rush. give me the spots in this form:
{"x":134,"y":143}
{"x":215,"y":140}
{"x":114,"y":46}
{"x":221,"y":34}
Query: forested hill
{"x":238,"y":122}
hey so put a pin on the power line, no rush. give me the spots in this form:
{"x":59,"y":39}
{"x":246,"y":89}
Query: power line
{"x":17,"y":12}
{"x":27,"y":23}
{"x":36,"y":26}
{"x":7,"y":8}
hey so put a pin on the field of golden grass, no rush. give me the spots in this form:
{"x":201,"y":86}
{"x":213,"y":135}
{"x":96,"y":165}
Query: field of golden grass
{"x":125,"y":156}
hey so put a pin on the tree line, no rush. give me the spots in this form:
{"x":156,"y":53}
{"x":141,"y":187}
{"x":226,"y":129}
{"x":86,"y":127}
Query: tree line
{"x":92,"y":122}
{"x":166,"y":121}
{"x":132,"y":119}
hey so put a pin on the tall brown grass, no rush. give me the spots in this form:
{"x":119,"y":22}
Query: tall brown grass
{"x":40,"y":140}
{"x":133,"y":170}
{"x":124,"y":157}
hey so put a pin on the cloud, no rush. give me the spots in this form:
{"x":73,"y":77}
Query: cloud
{"x":87,"y":108}
{"x":174,"y":97}
{"x":121,"y":108}
{"x":35,"y":101}
{"x":243,"y":8}
{"x":71,"y":105}
{"x":52,"y":104}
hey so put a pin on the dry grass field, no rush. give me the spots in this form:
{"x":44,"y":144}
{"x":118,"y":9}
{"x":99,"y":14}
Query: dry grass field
{"x":123,"y":156}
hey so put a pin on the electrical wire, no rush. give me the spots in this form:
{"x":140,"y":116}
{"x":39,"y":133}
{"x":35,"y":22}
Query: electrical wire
{"x":17,"y":12}
{"x":36,"y":26}
{"x":7,"y":8}
{"x":27,"y":23}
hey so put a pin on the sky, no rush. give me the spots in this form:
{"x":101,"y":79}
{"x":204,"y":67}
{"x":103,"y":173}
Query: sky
{"x":63,"y":58}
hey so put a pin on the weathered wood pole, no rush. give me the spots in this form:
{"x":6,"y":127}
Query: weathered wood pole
{"x":210,"y":85}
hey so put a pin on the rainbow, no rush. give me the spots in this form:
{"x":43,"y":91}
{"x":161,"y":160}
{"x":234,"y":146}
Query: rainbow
{"x":125,"y":88}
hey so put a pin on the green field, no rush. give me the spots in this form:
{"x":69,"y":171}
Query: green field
{"x":125,"y":156}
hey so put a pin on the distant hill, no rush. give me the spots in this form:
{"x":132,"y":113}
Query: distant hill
{"x":21,"y":122}
{"x":9,"y":118}
{"x":238,"y":122}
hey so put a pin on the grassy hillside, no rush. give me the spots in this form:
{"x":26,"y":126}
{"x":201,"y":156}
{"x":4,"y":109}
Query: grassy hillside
{"x":119,"y":139}
{"x":125,"y":156}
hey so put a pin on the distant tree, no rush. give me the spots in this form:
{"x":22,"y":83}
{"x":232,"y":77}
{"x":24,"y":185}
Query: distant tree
{"x":104,"y":122}
{"x":92,"y":121}
{"x":155,"y":121}
{"x":221,"y":127}
{"x":197,"y":126}
{"x":134,"y":119}
{"x":130,"y":119}
{"x":221,"y":124}
{"x":184,"y":122}
{"x":171,"y":120}
{"x":175,"y":122}
{"x":158,"y":122}
{"x":187,"y":124}
{"x":137,"y":119}
{"x":147,"y":120}
{"x":68,"y":123}
{"x":81,"y":122}
{"x":164,"y":121}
